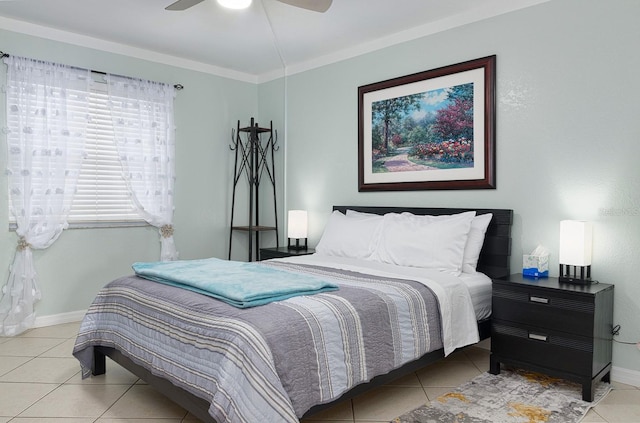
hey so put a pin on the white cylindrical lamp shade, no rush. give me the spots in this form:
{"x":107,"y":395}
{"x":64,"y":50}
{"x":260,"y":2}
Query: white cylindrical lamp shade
{"x":297,"y":224}
{"x":575,"y":242}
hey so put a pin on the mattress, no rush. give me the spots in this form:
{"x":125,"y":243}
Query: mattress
{"x":479,"y":286}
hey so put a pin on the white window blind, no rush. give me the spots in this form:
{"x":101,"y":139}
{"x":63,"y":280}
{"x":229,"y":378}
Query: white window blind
{"x":102,"y":195}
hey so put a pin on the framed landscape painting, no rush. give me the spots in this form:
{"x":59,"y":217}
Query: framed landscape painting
{"x":429,"y":130}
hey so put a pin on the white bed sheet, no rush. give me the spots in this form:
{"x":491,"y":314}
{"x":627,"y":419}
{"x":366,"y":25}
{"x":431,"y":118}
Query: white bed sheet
{"x":459,"y":324}
{"x":479,"y":286}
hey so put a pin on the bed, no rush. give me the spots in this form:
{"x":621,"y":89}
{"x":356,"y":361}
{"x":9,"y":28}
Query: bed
{"x":251,"y":364}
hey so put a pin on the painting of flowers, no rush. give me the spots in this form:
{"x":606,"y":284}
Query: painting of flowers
{"x":432,"y":130}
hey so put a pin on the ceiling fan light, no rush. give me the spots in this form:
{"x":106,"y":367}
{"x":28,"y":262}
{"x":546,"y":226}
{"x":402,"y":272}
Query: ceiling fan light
{"x":235,"y":4}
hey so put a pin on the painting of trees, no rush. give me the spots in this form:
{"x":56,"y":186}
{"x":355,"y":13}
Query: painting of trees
{"x":456,"y":120}
{"x":390,"y":111}
{"x":429,"y":130}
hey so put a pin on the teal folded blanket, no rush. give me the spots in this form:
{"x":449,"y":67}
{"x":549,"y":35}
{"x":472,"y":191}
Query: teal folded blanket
{"x":240,"y":284}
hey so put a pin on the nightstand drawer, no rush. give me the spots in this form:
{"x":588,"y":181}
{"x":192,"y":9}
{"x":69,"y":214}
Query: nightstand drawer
{"x":536,"y":307}
{"x":546,"y":348}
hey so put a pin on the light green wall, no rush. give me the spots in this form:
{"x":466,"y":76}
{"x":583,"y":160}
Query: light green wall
{"x":271,"y":107}
{"x":568,"y":132}
{"x":82,"y":260}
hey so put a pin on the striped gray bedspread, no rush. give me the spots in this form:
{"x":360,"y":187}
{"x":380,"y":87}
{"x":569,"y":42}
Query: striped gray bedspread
{"x":270,"y":363}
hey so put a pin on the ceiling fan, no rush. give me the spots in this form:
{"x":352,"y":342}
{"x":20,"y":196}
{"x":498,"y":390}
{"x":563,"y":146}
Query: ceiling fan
{"x":313,"y":5}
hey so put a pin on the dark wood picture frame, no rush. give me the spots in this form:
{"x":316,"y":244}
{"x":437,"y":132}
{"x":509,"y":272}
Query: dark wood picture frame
{"x":454,"y":109}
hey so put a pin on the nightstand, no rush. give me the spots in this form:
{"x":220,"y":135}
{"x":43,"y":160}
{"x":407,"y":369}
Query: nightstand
{"x":557,"y":329}
{"x":279,"y":252}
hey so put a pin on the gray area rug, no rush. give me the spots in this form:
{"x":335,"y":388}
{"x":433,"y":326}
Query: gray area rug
{"x":512,"y":396}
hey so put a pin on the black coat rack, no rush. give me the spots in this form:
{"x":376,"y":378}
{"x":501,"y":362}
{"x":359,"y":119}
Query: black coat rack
{"x":254,"y":158}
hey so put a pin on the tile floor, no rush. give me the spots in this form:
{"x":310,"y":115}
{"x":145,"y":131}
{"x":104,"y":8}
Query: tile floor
{"x":40,"y":382}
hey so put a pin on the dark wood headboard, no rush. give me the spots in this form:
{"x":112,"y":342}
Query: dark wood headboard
{"x":496,"y":252}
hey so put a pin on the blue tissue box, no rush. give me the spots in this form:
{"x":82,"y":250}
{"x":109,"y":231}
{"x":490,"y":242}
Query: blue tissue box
{"x":535,"y":266}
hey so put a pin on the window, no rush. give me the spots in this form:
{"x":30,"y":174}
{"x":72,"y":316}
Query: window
{"x":102,"y":197}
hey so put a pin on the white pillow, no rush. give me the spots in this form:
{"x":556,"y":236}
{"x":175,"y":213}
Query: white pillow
{"x":479,"y":226}
{"x":475,"y":239}
{"x":434,"y":242}
{"x":353,"y":213}
{"x":350,"y":236}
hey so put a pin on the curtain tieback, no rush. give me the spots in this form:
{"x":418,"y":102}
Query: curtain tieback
{"x":166,"y":231}
{"x":23,"y":244}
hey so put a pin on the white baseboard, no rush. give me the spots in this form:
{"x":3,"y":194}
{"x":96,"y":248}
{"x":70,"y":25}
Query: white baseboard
{"x":58,"y":319}
{"x":626,"y":376}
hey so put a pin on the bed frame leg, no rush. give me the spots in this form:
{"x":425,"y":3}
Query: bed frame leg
{"x":99,"y":363}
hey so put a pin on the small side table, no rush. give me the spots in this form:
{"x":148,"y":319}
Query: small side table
{"x":280,"y":252}
{"x":554,"y":328}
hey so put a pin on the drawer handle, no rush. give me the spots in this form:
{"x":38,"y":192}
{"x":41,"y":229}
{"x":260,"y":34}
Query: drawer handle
{"x":539,"y":300}
{"x":538,"y":337}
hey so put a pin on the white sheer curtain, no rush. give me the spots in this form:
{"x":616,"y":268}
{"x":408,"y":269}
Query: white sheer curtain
{"x":47,"y":107}
{"x":144,"y":131}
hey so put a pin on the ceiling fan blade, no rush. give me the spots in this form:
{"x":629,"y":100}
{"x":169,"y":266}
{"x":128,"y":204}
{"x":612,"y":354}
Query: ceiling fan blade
{"x":314,"y":5}
{"x":182,"y":4}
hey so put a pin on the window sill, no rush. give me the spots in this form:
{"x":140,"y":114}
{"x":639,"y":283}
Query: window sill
{"x":96,"y":225}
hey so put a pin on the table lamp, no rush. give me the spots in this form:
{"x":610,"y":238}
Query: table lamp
{"x":575,"y":251}
{"x":297,"y":229}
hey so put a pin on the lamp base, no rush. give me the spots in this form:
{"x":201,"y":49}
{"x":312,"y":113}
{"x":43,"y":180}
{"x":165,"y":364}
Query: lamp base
{"x":297,"y":246}
{"x":583,"y":278}
{"x":574,"y":281}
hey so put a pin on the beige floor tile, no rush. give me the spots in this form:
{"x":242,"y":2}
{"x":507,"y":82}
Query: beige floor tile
{"x":190,"y":419}
{"x":485,"y":344}
{"x":9,"y":363}
{"x":479,"y":357}
{"x":4,"y":419}
{"x":483,"y":367}
{"x":387,"y":402}
{"x":144,"y":402}
{"x":621,"y":386}
{"x":457,"y":355}
{"x":448,"y":373}
{"x":66,"y":331}
{"x":343,"y":411}
{"x":408,"y":380}
{"x":77,"y":401}
{"x":28,"y":347}
{"x":433,"y":393}
{"x":115,"y":375}
{"x":43,"y":370}
{"x":17,"y":397}
{"x":155,"y":420}
{"x":324,"y":421}
{"x":52,"y":420}
{"x":593,"y":417}
{"x":65,"y":349}
{"x":620,"y":406}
